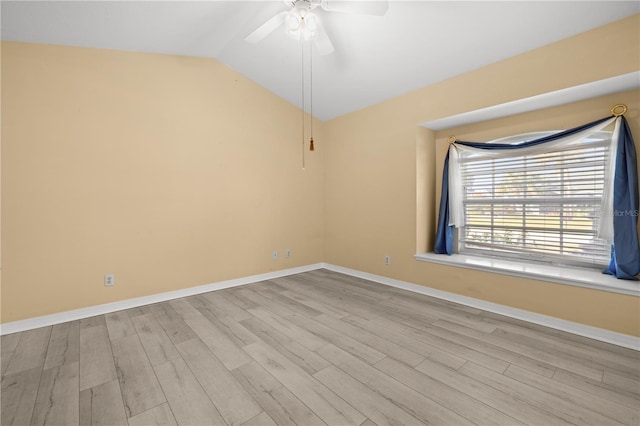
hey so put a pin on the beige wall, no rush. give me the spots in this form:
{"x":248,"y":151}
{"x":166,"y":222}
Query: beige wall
{"x":172,"y":172}
{"x":169,"y":172}
{"x":382,"y":171}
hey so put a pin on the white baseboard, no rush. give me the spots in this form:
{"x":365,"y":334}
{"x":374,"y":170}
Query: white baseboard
{"x":612,"y":337}
{"x":46,"y":320}
{"x":607,"y":336}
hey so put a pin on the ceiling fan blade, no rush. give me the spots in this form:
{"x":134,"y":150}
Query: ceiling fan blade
{"x":322,"y":41}
{"x":266,"y":28}
{"x":360,"y":7}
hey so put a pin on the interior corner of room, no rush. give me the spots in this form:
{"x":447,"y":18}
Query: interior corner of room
{"x":144,"y":166}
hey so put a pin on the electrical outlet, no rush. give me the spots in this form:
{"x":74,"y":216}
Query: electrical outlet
{"x":275,"y":255}
{"x":109,"y":280}
{"x":387,"y":260}
{"x":288,"y":253}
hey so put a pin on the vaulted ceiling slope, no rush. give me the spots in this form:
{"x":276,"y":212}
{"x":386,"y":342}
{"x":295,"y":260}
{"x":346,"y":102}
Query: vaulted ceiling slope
{"x":415,"y":44}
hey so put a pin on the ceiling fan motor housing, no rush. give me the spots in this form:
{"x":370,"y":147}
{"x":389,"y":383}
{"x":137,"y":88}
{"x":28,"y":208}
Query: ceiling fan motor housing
{"x":303,"y":4}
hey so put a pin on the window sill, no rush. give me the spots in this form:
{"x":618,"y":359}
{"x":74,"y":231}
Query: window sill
{"x":580,"y":277}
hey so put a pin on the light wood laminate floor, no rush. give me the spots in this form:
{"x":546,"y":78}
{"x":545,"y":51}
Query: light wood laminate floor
{"x":313,"y":349}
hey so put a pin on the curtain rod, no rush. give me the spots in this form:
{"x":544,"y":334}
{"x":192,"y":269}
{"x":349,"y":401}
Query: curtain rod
{"x":616,"y":110}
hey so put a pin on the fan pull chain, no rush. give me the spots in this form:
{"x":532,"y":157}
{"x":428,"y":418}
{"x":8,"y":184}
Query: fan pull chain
{"x":311,"y":148}
{"x":302,"y":66}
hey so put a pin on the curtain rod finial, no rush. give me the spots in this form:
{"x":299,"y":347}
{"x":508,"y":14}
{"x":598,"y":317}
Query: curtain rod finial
{"x":452,"y":139}
{"x":619,"y":110}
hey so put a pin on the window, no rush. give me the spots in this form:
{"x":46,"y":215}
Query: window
{"x":543,"y":206}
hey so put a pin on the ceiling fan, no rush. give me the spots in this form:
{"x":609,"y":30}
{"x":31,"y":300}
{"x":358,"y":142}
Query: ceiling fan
{"x":301,"y":23}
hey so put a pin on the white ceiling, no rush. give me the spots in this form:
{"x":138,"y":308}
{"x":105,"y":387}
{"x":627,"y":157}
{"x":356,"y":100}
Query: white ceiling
{"x":415,"y":44}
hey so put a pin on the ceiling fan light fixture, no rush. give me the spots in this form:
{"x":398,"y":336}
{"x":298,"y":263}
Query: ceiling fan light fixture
{"x":311,"y":24}
{"x":301,"y":24}
{"x":293,"y":22}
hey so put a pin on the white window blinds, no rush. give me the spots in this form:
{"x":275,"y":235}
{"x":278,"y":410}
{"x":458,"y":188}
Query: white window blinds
{"x":543,"y":202}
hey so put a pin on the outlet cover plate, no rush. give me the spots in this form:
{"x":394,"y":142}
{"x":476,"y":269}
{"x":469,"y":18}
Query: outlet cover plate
{"x":109,"y":280}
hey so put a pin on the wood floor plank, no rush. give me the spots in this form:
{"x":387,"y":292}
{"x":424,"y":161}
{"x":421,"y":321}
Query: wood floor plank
{"x":189,"y":403}
{"x":443,"y":313}
{"x":85,"y":407}
{"x":304,"y":358}
{"x":499,"y":399}
{"x":223,"y":305}
{"x":261,"y":419}
{"x":382,"y":345}
{"x":172,"y":323}
{"x":341,"y":340}
{"x":542,"y":400}
{"x":96,"y":359}
{"x":9,"y":342}
{"x":321,"y":307}
{"x":469,"y":343}
{"x":266,"y":332}
{"x":550,"y":357}
{"x":276,"y":400}
{"x":263,"y":302}
{"x":286,"y":327}
{"x":326,"y":404}
{"x":417,"y":320}
{"x":198,"y":301}
{"x":233,"y":402}
{"x":337,"y":278}
{"x":157,"y":416}
{"x":595,"y":387}
{"x":140,"y":388}
{"x":493,"y":345}
{"x":232,"y":296}
{"x":419,"y":406}
{"x":95,"y":321}
{"x":577,"y":397}
{"x":64,"y":345}
{"x":355,"y":288}
{"x":18,"y":397}
{"x":184,"y":309}
{"x":102,"y":405}
{"x":360,"y":288}
{"x":370,"y":403}
{"x":156,"y":343}
{"x":468,"y":407}
{"x":627,"y":384}
{"x":223,"y":347}
{"x":352,"y":295}
{"x":257,"y":377}
{"x":600,"y":357}
{"x":467,"y":349}
{"x":30,"y":351}
{"x":353,"y":306}
{"x":423,"y":299}
{"x":5,"y":359}
{"x":291,"y":304}
{"x":119,"y":325}
{"x":442,"y":351}
{"x":235,"y":331}
{"x":140,"y":310}
{"x":58,"y":397}
{"x":564,"y":336}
